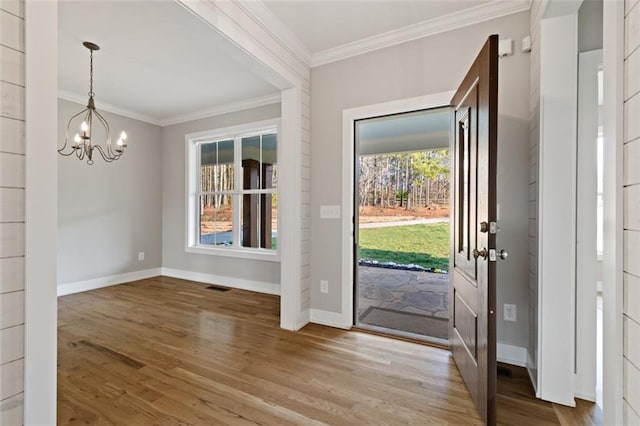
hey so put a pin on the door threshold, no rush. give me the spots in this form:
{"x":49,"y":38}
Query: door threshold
{"x":402,"y":335}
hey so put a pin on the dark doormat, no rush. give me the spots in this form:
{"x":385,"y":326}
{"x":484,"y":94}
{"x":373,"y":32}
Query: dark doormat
{"x":406,"y":321}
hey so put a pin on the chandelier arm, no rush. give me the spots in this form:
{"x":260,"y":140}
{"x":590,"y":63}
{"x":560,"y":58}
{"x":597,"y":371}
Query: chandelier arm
{"x":104,"y":155}
{"x":110,"y":152}
{"x":66,"y":137}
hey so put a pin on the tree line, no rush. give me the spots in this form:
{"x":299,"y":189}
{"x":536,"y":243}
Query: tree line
{"x":408,"y":180}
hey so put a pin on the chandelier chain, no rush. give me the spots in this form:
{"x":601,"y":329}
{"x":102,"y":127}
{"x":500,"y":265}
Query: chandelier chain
{"x":91,"y":93}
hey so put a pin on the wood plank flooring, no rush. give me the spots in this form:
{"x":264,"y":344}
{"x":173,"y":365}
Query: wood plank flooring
{"x":165,"y":351}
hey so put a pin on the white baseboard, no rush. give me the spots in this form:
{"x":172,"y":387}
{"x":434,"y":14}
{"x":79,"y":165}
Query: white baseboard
{"x":80,"y":286}
{"x":257,"y":286}
{"x":332,"y":319}
{"x":303,"y":319}
{"x":587,"y":396}
{"x":534,"y":380}
{"x":513,"y":355}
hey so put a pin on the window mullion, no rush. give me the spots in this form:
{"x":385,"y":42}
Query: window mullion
{"x":237,"y":161}
{"x":198,"y":203}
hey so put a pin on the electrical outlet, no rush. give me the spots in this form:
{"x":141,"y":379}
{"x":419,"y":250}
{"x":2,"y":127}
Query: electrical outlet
{"x":141,"y":256}
{"x":509,"y":312}
{"x":324,"y":286}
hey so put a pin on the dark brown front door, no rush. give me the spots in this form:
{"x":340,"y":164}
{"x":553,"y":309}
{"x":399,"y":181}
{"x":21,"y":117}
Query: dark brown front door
{"x":472,"y":330}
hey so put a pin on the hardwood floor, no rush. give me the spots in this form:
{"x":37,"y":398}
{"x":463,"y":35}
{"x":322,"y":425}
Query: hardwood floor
{"x":164,"y":351}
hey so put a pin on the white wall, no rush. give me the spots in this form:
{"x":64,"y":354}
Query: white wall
{"x":109,"y":212}
{"x":631,"y":195}
{"x":232,"y":271}
{"x":12,"y":193}
{"x":430,"y":65}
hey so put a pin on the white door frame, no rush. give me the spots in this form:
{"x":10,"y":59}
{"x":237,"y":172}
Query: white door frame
{"x":613,"y":63}
{"x":344,"y":319}
{"x":556,"y":225}
{"x":586,"y":220}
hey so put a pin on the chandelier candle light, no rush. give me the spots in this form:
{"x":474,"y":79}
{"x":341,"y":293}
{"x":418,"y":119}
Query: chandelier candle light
{"x":83,"y":146}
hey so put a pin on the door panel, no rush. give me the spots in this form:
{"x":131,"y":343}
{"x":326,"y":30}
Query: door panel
{"x":472,"y":331}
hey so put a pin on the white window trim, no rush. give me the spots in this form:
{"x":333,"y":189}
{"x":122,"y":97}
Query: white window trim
{"x":191,"y":185}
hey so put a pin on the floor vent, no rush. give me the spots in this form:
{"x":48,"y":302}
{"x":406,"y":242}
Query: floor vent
{"x":218,"y":288}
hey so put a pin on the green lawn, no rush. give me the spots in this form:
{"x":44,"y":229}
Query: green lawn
{"x":424,"y":245}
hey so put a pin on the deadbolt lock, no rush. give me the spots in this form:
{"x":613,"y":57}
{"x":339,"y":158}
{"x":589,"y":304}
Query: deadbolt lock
{"x":490,"y":227}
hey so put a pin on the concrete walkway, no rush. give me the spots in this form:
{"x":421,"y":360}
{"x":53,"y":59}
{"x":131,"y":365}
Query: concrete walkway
{"x":404,"y":223}
{"x":404,"y":291}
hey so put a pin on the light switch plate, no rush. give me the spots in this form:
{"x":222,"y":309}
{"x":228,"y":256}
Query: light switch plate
{"x":329,"y":212}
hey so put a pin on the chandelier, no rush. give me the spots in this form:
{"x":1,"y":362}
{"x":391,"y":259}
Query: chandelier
{"x":83,"y":145}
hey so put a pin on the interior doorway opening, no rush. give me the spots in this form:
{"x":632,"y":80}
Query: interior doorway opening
{"x":401,"y":206}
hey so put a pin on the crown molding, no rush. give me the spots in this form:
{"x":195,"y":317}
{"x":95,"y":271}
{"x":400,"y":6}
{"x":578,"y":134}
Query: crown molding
{"x":271,"y":24}
{"x":464,"y":18}
{"x":82,"y":100}
{"x":222,"y":109}
{"x":181,"y":118}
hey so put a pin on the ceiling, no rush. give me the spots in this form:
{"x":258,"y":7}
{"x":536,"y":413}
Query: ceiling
{"x":321,"y":25}
{"x":415,"y":131}
{"x":161,"y":64}
{"x":156,"y":59}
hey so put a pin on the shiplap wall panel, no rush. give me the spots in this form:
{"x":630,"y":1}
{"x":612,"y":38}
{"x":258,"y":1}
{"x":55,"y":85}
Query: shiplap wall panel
{"x":11,"y":412}
{"x":631,"y":114}
{"x":632,"y":252}
{"x":630,"y":417}
{"x":11,"y":344}
{"x":631,"y":210}
{"x":11,"y":170}
{"x":631,"y":197}
{"x":632,"y":384}
{"x":11,"y":309}
{"x":11,"y":31}
{"x":15,"y":7}
{"x":12,"y":181}
{"x":535,"y":16}
{"x":11,"y":205}
{"x":11,"y":101}
{"x":632,"y":297}
{"x":11,"y":274}
{"x":631,"y":70}
{"x":11,"y":66}
{"x":632,"y":163}
{"x":631,"y":31}
{"x":11,"y":136}
{"x":11,"y":378}
{"x":632,"y":341}
{"x":11,"y":239}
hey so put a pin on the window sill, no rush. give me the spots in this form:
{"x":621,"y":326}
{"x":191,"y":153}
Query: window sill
{"x":250,"y":254}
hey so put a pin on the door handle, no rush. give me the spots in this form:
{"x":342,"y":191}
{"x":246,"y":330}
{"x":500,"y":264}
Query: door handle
{"x":482,"y":253}
{"x":503,"y":254}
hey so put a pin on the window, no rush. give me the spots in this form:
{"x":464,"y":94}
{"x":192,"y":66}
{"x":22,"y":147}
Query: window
{"x":232,"y":192}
